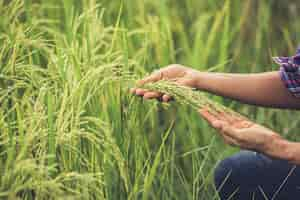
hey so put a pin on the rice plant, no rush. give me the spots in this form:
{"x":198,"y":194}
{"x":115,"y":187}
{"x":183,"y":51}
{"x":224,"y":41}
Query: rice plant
{"x":69,"y":129}
{"x":188,"y":96}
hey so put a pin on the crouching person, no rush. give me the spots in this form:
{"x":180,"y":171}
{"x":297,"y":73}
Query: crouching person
{"x":269,"y":165}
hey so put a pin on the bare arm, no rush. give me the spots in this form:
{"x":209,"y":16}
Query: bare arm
{"x":263,"y":89}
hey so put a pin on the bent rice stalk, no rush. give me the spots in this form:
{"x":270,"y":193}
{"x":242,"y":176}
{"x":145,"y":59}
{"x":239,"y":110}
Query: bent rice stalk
{"x":190,"y":96}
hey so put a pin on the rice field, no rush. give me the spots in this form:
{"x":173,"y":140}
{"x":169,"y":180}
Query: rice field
{"x":69,"y":127}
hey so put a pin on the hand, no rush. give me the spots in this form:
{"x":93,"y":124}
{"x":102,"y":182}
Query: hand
{"x":241,"y":132}
{"x":181,"y":75}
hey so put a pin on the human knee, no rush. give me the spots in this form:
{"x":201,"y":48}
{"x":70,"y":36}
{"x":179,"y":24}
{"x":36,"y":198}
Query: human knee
{"x":242,"y":168}
{"x":223,"y":171}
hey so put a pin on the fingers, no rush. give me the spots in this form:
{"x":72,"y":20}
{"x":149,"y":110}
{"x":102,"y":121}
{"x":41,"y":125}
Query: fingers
{"x":228,"y":117}
{"x":229,"y":130}
{"x":134,"y":91}
{"x":146,"y":94}
{"x":166,"y":98}
{"x":235,"y":134}
{"x":223,"y":126}
{"x":230,"y":134}
{"x":230,"y":141}
{"x":140,"y":92}
{"x":219,"y":125}
{"x":215,"y":120}
{"x":238,"y":121}
{"x":235,"y":121}
{"x":152,"y":95}
{"x":154,"y":77}
{"x":244,"y":124}
{"x":210,"y":118}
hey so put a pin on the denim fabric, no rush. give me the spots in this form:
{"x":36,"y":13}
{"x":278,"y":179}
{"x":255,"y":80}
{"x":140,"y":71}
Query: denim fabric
{"x":250,"y":175}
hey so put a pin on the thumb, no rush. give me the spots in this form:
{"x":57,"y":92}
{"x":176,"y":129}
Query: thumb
{"x":154,"y":77}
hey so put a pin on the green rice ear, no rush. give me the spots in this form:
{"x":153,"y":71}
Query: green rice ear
{"x":190,"y":96}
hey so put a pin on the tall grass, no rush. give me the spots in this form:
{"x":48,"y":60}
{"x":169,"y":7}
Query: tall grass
{"x":69,"y":129}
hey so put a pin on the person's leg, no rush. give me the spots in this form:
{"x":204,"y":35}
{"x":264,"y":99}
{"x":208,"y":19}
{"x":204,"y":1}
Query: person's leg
{"x":249,"y":175}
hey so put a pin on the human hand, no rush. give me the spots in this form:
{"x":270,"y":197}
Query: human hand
{"x":241,"y":132}
{"x":177,"y":73}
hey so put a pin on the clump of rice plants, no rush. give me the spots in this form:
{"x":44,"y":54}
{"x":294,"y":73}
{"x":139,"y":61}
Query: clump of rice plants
{"x":68,"y":127}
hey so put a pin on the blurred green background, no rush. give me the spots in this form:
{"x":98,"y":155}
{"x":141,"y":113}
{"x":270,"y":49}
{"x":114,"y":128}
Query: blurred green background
{"x":69,"y":129}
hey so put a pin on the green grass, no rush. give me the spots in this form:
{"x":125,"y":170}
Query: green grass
{"x":69,"y":129}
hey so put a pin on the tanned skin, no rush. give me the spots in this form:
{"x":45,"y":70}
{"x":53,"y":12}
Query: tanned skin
{"x":261,"y":89}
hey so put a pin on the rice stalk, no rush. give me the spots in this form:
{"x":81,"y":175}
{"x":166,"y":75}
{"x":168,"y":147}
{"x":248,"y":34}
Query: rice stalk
{"x":190,"y":96}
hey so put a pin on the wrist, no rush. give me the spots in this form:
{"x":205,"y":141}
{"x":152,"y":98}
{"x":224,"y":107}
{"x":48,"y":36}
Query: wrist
{"x":291,"y":151}
{"x":200,"y":80}
{"x":280,"y":148}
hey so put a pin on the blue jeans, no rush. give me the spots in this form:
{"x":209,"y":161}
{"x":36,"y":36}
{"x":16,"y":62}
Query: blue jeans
{"x":249,"y":175}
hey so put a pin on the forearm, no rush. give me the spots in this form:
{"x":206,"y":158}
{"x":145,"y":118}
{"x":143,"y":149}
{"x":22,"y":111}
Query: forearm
{"x":263,"y":89}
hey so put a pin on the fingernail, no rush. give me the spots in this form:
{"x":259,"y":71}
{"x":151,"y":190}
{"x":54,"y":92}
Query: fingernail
{"x":138,"y":92}
{"x":216,"y":124}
